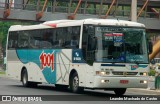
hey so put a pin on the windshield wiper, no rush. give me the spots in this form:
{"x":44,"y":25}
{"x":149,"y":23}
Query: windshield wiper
{"x":136,"y":62}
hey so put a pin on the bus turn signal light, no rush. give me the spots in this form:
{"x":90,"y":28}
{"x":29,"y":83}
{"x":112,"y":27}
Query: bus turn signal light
{"x":102,"y":73}
{"x":143,"y":73}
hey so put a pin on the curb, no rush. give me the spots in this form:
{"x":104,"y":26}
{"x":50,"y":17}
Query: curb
{"x":145,"y":91}
{"x":153,"y":90}
{"x":2,"y":75}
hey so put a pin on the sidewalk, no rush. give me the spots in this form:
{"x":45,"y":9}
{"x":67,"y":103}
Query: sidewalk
{"x":2,"y":72}
{"x":1,"y":69}
{"x":144,"y":91}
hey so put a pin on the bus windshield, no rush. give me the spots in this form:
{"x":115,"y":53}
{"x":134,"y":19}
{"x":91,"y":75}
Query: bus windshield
{"x":120,"y":45}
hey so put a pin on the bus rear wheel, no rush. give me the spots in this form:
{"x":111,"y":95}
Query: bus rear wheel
{"x":25,"y":81}
{"x":120,"y":91}
{"x":74,"y":84}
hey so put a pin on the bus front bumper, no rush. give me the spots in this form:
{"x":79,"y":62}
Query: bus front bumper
{"x":120,"y":82}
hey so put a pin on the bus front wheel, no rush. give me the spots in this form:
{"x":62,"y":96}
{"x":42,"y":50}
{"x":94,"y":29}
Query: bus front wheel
{"x":74,"y":84}
{"x":120,"y":91}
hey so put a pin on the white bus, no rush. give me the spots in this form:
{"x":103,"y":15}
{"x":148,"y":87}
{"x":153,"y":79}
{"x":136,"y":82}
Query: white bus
{"x":91,"y":53}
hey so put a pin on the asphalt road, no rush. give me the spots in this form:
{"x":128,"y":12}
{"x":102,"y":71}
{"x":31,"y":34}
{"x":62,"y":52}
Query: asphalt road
{"x":13,"y":87}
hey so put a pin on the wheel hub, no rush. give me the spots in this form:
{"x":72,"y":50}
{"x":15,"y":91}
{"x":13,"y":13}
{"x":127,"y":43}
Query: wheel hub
{"x":75,"y":82}
{"x":24,"y":80}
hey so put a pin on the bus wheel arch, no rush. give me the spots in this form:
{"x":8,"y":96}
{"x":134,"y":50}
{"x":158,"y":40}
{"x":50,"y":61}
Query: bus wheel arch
{"x":24,"y":79}
{"x":71,"y":73}
{"x":74,"y":82}
{"x":120,"y":91}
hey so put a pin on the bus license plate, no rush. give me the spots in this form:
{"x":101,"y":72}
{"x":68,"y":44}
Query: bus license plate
{"x":124,"y":81}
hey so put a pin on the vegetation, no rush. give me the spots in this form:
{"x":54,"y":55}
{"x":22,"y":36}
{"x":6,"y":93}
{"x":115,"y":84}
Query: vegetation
{"x":3,"y":32}
{"x":152,"y":72}
{"x":2,"y":72}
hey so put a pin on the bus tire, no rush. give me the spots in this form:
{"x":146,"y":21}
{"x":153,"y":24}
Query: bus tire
{"x":120,"y":91}
{"x":74,"y":84}
{"x":25,"y":81}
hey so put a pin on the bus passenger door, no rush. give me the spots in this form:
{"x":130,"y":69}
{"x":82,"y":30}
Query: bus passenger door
{"x":88,"y":55}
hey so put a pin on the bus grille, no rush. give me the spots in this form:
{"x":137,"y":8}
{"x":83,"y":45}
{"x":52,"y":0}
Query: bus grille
{"x":124,"y":73}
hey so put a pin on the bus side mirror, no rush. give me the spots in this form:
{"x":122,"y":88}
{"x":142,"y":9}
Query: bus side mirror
{"x":150,"y":47}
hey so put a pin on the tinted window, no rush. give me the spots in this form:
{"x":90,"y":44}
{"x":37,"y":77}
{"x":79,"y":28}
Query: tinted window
{"x":41,"y":38}
{"x":12,"y":40}
{"x":65,"y":37}
{"x":23,"y":39}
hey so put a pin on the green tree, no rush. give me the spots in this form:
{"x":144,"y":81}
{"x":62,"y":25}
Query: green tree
{"x":3,"y":32}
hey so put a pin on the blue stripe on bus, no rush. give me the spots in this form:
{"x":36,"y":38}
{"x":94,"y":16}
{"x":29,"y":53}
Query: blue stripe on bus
{"x":26,"y":56}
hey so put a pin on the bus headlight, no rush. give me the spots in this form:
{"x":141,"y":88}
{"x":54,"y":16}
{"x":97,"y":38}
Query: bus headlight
{"x":104,"y":81}
{"x":143,"y":73}
{"x":102,"y":73}
{"x":143,"y":81}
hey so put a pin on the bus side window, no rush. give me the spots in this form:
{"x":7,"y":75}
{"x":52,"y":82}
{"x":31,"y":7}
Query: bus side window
{"x":58,"y":38}
{"x":72,"y":35}
{"x":35,"y":38}
{"x":46,"y":39}
{"x":12,"y":41}
{"x":22,"y":39}
{"x":75,"y":37}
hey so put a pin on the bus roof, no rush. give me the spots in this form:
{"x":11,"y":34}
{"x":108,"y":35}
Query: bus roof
{"x":113,"y":22}
{"x":65,"y":23}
